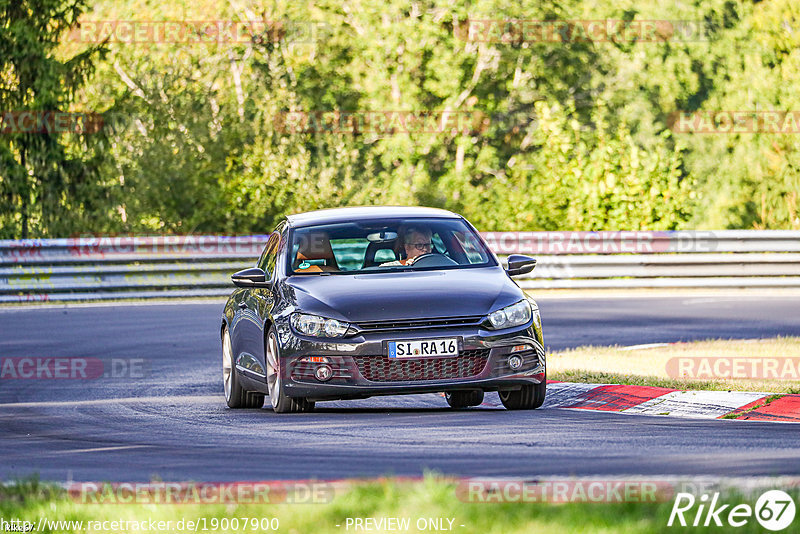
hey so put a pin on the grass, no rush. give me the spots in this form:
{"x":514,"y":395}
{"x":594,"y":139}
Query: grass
{"x":738,"y":414}
{"x":433,"y":497}
{"x":649,"y":366}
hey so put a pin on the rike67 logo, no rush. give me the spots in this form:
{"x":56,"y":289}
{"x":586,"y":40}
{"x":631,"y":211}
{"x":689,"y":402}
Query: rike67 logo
{"x":774,"y":510}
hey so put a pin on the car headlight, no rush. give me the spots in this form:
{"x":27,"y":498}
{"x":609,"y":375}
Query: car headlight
{"x":514,"y":315}
{"x":314,"y":325}
{"x":535,"y":309}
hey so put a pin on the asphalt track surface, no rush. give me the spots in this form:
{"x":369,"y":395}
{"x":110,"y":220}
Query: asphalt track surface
{"x":173,"y":423}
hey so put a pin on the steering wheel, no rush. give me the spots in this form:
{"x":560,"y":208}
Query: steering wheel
{"x":433,"y":259}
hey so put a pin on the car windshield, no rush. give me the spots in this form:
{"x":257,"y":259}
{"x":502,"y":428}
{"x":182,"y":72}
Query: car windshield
{"x":384,"y":245}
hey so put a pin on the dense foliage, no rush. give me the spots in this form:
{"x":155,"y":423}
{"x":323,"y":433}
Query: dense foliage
{"x":48,"y":182}
{"x":555,"y":135}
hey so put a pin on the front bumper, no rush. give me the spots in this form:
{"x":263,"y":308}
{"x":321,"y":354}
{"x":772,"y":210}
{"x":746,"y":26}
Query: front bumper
{"x":360,"y":367}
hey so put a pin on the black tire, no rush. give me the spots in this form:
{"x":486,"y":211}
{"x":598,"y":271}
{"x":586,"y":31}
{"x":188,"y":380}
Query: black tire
{"x":235,"y":395}
{"x":281,"y":403}
{"x":464,"y":399}
{"x":528,"y":397}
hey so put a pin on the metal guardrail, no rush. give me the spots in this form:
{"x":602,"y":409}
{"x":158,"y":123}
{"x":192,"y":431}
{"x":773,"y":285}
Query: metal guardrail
{"x":99,"y":268}
{"x":103,"y":268}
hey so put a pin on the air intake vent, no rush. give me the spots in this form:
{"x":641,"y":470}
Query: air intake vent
{"x":468,"y":364}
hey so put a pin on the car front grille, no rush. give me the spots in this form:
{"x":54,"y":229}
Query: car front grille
{"x":468,"y":364}
{"x":410,"y":324}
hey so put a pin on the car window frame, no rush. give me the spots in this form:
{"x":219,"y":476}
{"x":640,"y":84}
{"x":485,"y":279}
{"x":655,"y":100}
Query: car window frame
{"x":491,"y":258}
{"x":271,"y":249}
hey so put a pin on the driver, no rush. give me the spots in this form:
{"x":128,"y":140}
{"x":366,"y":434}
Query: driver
{"x":413,"y":242}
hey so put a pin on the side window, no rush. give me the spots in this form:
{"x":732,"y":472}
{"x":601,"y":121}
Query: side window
{"x":471,"y":247}
{"x":438,"y":245}
{"x":270,"y":255}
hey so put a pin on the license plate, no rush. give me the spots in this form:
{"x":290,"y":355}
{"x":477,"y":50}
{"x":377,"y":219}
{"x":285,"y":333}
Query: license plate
{"x":424,"y":348}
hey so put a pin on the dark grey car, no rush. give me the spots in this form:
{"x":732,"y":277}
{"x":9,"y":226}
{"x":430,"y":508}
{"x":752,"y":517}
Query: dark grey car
{"x":335,"y":309}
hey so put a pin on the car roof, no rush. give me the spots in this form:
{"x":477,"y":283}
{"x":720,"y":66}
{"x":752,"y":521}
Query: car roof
{"x":335,"y":215}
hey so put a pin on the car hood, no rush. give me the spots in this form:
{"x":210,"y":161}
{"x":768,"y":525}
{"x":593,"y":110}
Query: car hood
{"x":404,"y":295}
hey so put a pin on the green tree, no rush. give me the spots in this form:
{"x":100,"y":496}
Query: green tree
{"x":48,"y":181}
{"x":576,"y":133}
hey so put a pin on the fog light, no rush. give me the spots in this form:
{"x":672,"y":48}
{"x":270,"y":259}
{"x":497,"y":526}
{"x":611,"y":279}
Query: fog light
{"x":323,"y":373}
{"x":515,"y":362}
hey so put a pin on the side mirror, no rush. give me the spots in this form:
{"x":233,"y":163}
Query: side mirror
{"x":518,"y":264}
{"x":249,"y":278}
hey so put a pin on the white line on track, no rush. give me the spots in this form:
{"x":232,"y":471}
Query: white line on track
{"x":645,"y":346}
{"x":109,"y":304}
{"x":704,"y":404}
{"x":184,"y":399}
{"x":100,"y":449}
